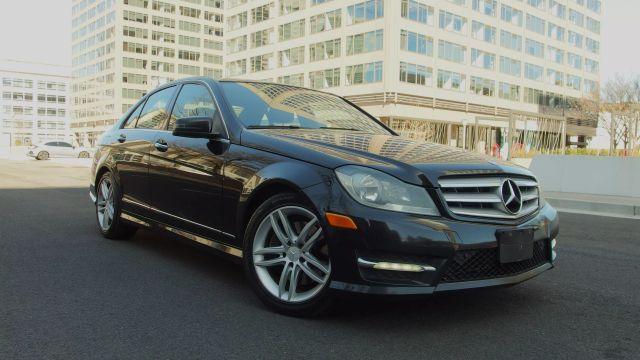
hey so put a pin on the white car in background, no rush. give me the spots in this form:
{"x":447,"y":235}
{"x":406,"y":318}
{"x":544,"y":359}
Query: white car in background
{"x":54,"y":149}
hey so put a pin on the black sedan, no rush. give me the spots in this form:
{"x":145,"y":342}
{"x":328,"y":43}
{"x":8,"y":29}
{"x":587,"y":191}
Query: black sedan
{"x":317,"y":196}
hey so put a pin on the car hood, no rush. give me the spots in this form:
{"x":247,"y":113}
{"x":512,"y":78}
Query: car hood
{"x":413,"y":161}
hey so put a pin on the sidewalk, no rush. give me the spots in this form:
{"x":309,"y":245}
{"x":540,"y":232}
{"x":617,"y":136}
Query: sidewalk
{"x":603,"y":205}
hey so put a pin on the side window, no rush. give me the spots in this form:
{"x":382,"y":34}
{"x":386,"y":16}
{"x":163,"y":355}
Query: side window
{"x":154,"y":111}
{"x":64,"y":144}
{"x":195,"y":101}
{"x":131,"y":121}
{"x":51,"y":143}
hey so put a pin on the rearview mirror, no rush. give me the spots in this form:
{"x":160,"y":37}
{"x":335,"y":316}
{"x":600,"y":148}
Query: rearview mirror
{"x":195,"y":127}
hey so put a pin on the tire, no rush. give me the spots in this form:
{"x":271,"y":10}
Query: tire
{"x":108,"y":208}
{"x":42,"y":155}
{"x":268,"y":253}
{"x":83,"y":155}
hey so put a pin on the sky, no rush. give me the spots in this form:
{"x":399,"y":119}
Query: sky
{"x":40,"y":31}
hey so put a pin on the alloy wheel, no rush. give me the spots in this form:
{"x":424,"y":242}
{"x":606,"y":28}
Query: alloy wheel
{"x":105,"y":203}
{"x":290,"y":254}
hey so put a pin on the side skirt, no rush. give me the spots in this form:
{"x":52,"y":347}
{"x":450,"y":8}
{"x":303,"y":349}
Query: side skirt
{"x":185,"y":234}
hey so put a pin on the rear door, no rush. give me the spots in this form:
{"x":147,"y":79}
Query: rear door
{"x":66,"y":149}
{"x":132,"y":147}
{"x":186,"y":173}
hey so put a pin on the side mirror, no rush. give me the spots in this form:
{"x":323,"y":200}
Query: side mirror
{"x":195,"y":127}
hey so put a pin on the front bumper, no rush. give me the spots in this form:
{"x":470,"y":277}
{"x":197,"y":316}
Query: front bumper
{"x":446,"y":247}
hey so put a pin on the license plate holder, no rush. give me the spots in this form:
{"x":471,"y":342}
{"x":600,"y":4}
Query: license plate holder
{"x":515,"y":245}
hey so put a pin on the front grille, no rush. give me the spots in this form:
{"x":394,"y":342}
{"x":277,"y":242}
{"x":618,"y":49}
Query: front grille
{"x":468,"y":265}
{"x":482,"y":197}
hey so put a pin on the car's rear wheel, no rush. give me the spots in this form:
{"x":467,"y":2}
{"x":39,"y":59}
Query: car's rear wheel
{"x":286,"y":257}
{"x":83,"y":155}
{"x":108,"y":202}
{"x":42,"y":155}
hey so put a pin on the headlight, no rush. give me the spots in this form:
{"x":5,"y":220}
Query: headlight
{"x":379,"y":190}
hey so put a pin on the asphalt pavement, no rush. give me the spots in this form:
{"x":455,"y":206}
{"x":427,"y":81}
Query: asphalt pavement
{"x":67,"y":293}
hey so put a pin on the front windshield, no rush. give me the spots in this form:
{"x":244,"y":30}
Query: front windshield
{"x":267,"y":105}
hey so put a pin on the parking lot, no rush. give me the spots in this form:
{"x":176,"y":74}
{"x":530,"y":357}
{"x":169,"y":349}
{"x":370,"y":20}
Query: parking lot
{"x":67,"y":293}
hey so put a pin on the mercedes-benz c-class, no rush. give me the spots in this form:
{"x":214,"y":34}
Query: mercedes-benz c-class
{"x":316,"y":196}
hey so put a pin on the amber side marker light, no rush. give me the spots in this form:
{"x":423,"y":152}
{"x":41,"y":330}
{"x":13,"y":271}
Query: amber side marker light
{"x":341,"y":221}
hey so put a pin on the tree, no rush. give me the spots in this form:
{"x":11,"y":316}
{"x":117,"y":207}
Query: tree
{"x":620,"y":110}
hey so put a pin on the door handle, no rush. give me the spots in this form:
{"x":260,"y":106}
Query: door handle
{"x":122,"y":138}
{"x":161,"y":145}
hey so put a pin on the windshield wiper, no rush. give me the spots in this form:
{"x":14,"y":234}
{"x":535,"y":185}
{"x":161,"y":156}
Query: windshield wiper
{"x":273,"y":127}
{"x":338,"y":128}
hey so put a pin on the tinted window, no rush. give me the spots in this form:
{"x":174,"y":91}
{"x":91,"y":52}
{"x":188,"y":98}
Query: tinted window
{"x":64,"y":144}
{"x":52,"y":143}
{"x":266,"y":104}
{"x":131,"y":121}
{"x":195,"y":101}
{"x":155,"y":109}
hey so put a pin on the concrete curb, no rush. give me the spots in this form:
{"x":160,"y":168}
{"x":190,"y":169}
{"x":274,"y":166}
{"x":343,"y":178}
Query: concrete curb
{"x":629,"y":211}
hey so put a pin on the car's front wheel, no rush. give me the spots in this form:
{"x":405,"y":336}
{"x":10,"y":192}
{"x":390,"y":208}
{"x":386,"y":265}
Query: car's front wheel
{"x":108,"y":202}
{"x":286,"y":257}
{"x":42,"y":155}
{"x":83,"y":155}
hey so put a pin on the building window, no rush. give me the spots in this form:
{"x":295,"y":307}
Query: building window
{"x":576,"y":17}
{"x":364,"y":43}
{"x":261,"y":13}
{"x":538,"y":4}
{"x":482,"y":86}
{"x":365,"y":11}
{"x":483,"y":59}
{"x":237,"y":21}
{"x":483,"y":32}
{"x":556,"y":55}
{"x":292,"y":30}
{"x":511,"y":15}
{"x":590,"y":86}
{"x":452,"y":52}
{"x":364,"y":73}
{"x":487,"y":7}
{"x":510,"y":66}
{"x":591,"y":66}
{"x":533,"y":72}
{"x":235,"y":68}
{"x":555,"y":77}
{"x":594,"y":5}
{"x":452,"y":22}
{"x":449,"y":80}
{"x":261,"y":38}
{"x":290,"y":6}
{"x":555,"y":32}
{"x":417,"y":43}
{"x":557,"y":9}
{"x":535,"y":24}
{"x":416,"y":74}
{"x":533,"y":96}
{"x":189,"y":26}
{"x":593,"y":46}
{"x":324,"y":78}
{"x":325,"y":50}
{"x":574,"y":82}
{"x":290,"y":57}
{"x":575,"y":39}
{"x":593,"y":25}
{"x":509,"y":92}
{"x":188,"y":40}
{"x":293,"y":80}
{"x":188,"y":55}
{"x":510,"y":41}
{"x":237,"y":44}
{"x":262,"y":62}
{"x":574,"y":60}
{"x":326,"y":22}
{"x":534,"y":48}
{"x":417,"y":11}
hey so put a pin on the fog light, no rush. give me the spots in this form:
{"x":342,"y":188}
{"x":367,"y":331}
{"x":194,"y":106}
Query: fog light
{"x":384,"y":265}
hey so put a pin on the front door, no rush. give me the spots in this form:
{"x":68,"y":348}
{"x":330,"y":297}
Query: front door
{"x":186,"y":173}
{"x":132,"y":147}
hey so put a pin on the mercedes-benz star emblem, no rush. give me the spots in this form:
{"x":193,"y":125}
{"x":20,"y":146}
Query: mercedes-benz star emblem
{"x":511,"y":196}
